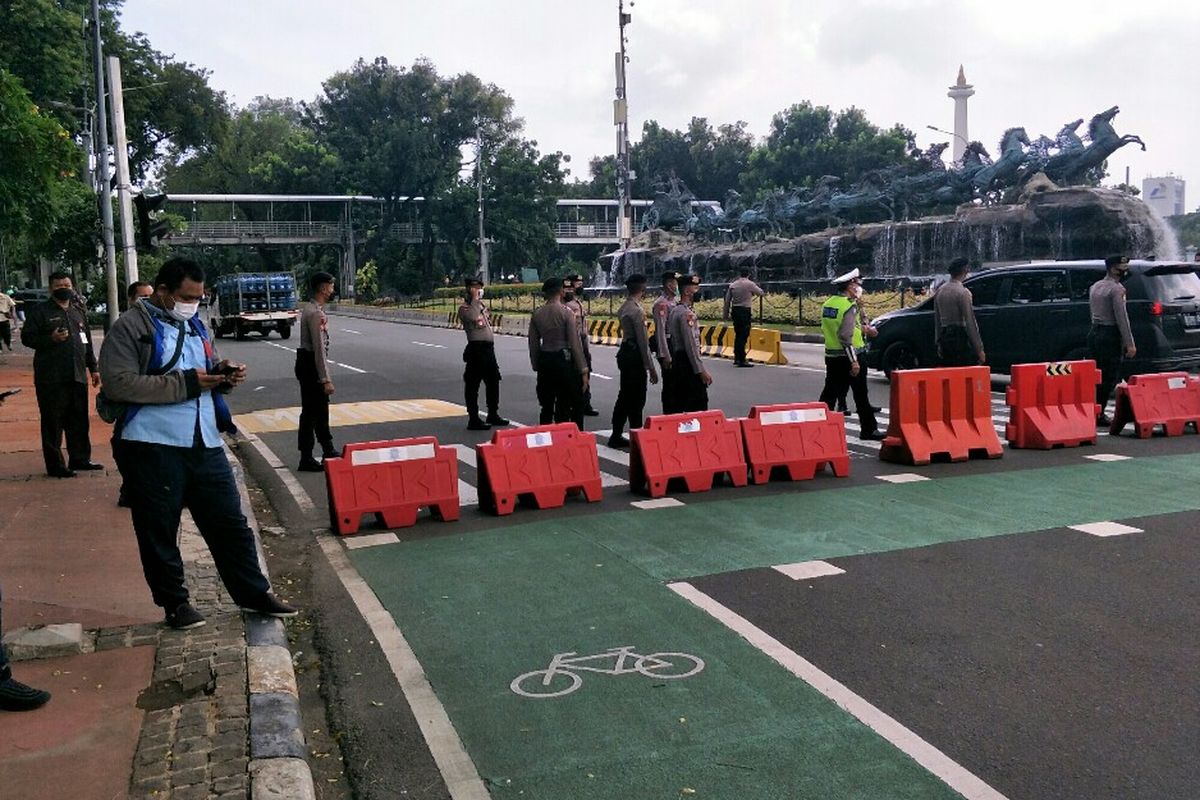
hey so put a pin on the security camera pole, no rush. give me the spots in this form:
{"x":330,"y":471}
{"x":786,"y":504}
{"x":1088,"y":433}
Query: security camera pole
{"x":121,"y":150}
{"x":621,"y":120}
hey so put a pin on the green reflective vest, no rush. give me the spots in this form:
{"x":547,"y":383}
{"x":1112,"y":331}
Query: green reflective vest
{"x":832,"y":313}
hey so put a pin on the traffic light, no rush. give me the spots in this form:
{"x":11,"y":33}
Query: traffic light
{"x":150,"y":230}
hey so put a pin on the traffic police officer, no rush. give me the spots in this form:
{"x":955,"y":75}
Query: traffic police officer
{"x":634,"y":362}
{"x":573,"y":299}
{"x":843,"y":344}
{"x":955,"y":330}
{"x":1110,"y":337}
{"x":739,"y":298}
{"x":556,"y":354}
{"x":691,"y":380}
{"x":480,"y":358}
{"x":660,"y":311}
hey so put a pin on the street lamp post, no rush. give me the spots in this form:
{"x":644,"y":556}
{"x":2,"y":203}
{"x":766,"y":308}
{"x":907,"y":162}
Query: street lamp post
{"x":949,"y":133}
{"x":621,"y":120}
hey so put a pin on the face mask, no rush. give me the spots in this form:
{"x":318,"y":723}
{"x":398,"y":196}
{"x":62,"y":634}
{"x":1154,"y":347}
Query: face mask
{"x":63,"y":294}
{"x":1123,"y":275}
{"x":183,"y":311}
{"x":480,"y":293}
{"x":568,"y":296}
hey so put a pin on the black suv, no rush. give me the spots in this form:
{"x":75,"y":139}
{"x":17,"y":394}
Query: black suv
{"x":1037,"y":312}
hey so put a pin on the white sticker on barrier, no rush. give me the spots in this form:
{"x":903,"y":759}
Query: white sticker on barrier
{"x":691,"y":426}
{"x":792,"y":415}
{"x":385,"y":455}
{"x":542,"y":439}
{"x":1176,"y":383}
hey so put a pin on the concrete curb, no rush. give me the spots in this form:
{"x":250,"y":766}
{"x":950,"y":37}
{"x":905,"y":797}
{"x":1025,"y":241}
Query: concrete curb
{"x":278,"y":767}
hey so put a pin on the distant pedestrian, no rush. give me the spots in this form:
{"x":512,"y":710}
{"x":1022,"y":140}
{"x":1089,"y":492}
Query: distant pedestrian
{"x":8,"y":315}
{"x":688,"y":374}
{"x":660,"y":311}
{"x":63,"y":364}
{"x":955,"y":329}
{"x":480,"y":358}
{"x":739,"y":299}
{"x":137,"y":290}
{"x":633,"y":361}
{"x":158,"y":359}
{"x":312,"y":372}
{"x":573,"y":299}
{"x":1110,"y":338}
{"x":556,"y":355}
{"x":844,"y":343}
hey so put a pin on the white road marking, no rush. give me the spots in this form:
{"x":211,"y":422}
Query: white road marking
{"x":1108,"y":457}
{"x":908,"y":742}
{"x":356,"y":333}
{"x":430,"y":344}
{"x":370,"y":540}
{"x":903,"y":477}
{"x":808,"y":569}
{"x":281,"y":346}
{"x":661,"y":502}
{"x":458,"y":771}
{"x":289,"y":480}
{"x":466,"y":454}
{"x":338,"y":363}
{"x":259,"y":388}
{"x":1106,"y":529}
{"x":468,"y":495}
{"x":601,"y":377}
{"x":352,"y":369}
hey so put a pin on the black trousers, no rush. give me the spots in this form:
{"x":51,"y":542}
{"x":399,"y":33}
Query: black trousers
{"x":838,"y":379}
{"x":559,"y":388}
{"x":631,"y":397}
{"x":6,"y":333}
{"x":314,"y":406}
{"x":955,"y":348}
{"x":668,"y":387}
{"x":63,"y":407}
{"x":161,"y":481}
{"x":5,"y":671}
{"x":1104,"y":346}
{"x":741,"y":332}
{"x":587,"y":393}
{"x":690,"y":393}
{"x":480,"y":358}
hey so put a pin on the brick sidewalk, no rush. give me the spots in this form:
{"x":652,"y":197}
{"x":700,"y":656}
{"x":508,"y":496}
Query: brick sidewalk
{"x":138,"y":710}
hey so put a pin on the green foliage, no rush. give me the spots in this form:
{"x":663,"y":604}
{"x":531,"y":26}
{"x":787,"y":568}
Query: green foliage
{"x":42,"y":43}
{"x":1187,"y":228}
{"x":366,"y":282}
{"x":493,"y":291}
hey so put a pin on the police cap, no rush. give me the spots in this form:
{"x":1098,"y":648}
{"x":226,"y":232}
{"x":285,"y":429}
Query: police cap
{"x":843,"y":279}
{"x":669,"y":275}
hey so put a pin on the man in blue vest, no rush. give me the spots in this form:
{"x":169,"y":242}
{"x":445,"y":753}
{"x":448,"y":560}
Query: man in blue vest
{"x":159,"y":362}
{"x":844,"y":343}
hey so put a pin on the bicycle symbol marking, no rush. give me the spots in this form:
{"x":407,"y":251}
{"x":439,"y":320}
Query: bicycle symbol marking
{"x":562,"y":676}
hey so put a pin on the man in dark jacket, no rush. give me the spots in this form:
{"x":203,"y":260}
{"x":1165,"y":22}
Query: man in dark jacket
{"x":63,"y":363}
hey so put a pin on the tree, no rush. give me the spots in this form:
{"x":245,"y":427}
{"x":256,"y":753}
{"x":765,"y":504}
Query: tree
{"x":522,"y":188}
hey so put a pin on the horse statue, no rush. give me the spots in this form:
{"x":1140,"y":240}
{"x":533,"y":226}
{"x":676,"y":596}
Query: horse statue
{"x":1006,"y":168}
{"x":1077,"y":166}
{"x":1067,"y":140}
{"x":703,"y":223}
{"x":759,"y":221}
{"x":672,"y":206}
{"x":865,"y":202}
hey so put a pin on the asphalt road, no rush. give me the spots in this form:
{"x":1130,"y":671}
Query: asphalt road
{"x":957,"y":531}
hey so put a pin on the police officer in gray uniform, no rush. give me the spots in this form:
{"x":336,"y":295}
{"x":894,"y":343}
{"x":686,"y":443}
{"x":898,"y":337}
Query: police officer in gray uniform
{"x":661,"y":310}
{"x":573,"y":299}
{"x":634,"y":362}
{"x":689,"y":377}
{"x":955,"y":329}
{"x":1110,"y":337}
{"x":556,"y":353}
{"x":480,"y":358}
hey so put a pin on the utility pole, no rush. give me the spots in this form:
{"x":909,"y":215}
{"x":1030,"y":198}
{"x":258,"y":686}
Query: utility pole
{"x":621,"y":120}
{"x":121,"y":150}
{"x":483,"y":249}
{"x":105,"y":195}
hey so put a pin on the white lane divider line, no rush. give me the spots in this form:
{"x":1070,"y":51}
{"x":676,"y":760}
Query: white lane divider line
{"x":925,"y":754}
{"x":370,"y":540}
{"x":458,"y":770}
{"x":1108,"y":457}
{"x":466,"y":454}
{"x":808,"y":569}
{"x":1105,"y":529}
{"x":352,"y":369}
{"x":661,"y":502}
{"x":430,"y":344}
{"x":468,"y":495}
{"x":903,"y":477}
{"x":281,"y":346}
{"x":601,"y":377}
{"x":356,"y":333}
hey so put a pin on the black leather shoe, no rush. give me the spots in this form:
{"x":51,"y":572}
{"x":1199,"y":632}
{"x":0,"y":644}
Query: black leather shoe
{"x":1103,"y":421}
{"x":270,"y":605}
{"x":497,"y":421}
{"x":476,"y":424}
{"x":874,"y":410}
{"x":310,"y":465}
{"x":875,"y":436}
{"x":590,"y":412}
{"x":618,"y":441}
{"x":16,"y":696}
{"x":330,"y":452}
{"x":61,"y":472}
{"x":185,"y":617}
{"x":85,"y":467}
{"x":744,"y":364}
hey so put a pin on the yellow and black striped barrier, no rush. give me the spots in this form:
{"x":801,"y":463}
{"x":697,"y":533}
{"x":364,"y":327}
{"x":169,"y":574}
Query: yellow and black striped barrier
{"x":763,"y":346}
{"x":453,"y":321}
{"x":604,"y":331}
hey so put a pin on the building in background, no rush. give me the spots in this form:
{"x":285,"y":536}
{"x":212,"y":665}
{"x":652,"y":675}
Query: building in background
{"x":1165,"y":195}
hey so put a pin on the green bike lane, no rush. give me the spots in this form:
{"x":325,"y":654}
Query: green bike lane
{"x":481,"y":609}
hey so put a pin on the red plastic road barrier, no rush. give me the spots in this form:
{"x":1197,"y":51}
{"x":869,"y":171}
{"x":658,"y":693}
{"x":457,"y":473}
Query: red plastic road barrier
{"x":392,"y":480}
{"x":544,"y":462}
{"x":695,"y":446}
{"x":803,"y":437}
{"x":1170,"y":399}
{"x":1052,"y":405}
{"x":945,"y":411}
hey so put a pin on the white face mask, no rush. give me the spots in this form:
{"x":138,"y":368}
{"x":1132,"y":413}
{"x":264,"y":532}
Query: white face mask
{"x":183,"y":311}
{"x":480,"y":293}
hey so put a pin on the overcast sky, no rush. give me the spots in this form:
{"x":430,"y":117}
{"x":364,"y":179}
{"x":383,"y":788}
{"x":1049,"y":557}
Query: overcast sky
{"x":1036,"y":64}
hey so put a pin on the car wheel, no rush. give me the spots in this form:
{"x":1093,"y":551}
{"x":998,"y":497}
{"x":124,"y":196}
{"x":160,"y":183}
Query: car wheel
{"x":900,"y":355}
